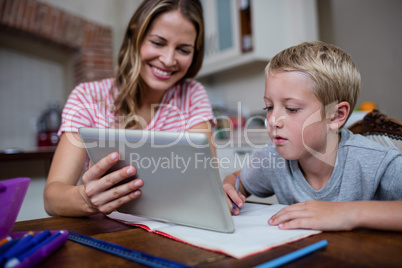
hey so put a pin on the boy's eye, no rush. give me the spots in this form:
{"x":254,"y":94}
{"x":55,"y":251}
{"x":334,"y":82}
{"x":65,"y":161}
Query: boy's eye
{"x":292,"y":110}
{"x":268,"y":108}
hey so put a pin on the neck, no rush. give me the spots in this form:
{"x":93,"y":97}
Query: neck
{"x":152,"y":98}
{"x":317,"y":168}
{"x":149,"y":105}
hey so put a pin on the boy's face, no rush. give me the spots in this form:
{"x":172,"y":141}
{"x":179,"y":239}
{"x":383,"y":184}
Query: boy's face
{"x":294,"y":120}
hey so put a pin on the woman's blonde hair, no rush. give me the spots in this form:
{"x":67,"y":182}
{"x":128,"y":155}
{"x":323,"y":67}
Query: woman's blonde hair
{"x":128,"y":80}
{"x":334,"y":75}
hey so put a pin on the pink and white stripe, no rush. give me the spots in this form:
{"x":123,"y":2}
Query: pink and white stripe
{"x":91,"y":105}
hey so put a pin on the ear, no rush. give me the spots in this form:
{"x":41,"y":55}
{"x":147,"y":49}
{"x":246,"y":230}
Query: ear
{"x":340,"y":115}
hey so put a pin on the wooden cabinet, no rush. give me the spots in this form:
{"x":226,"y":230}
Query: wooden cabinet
{"x":275,"y":25}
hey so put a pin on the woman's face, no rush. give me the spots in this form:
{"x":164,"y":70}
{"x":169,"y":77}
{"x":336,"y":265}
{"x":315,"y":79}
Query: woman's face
{"x":167,"y":50}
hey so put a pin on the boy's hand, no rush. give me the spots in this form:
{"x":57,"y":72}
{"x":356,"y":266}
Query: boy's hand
{"x":232,"y":196}
{"x":318,"y":215}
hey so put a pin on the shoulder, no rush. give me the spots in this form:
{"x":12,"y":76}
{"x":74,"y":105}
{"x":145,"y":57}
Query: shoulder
{"x":94,"y":86}
{"x":266,"y":172}
{"x":197,"y":94}
{"x":89,"y":95}
{"x":192,"y":84}
{"x":268,"y":159}
{"x":185,"y":89}
{"x":189,"y":93}
{"x":367,"y":153}
{"x":361,"y":144}
{"x":190,"y":87}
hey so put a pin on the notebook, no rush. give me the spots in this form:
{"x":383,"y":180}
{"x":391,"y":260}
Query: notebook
{"x":180,"y":174}
{"x":253,"y":234}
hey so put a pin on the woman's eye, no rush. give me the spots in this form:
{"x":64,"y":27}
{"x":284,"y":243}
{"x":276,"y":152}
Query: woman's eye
{"x":268,"y":108}
{"x":157,"y":43}
{"x":184,"y":51}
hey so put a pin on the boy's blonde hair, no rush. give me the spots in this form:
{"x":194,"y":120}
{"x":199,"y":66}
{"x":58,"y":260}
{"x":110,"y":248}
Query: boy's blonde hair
{"x":334,"y":75}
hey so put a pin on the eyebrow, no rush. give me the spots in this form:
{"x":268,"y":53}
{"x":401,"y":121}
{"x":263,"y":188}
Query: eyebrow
{"x":286,"y":99}
{"x":164,"y":39}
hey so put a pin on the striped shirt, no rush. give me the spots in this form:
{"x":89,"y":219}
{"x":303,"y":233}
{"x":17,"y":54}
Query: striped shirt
{"x":91,"y":104}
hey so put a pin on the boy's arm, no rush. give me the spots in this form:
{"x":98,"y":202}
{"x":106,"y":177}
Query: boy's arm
{"x":336,"y":216}
{"x":340,"y":216}
{"x":231,"y":195}
{"x":382,"y":215}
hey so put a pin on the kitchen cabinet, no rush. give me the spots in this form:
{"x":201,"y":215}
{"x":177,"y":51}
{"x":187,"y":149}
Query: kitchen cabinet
{"x":275,"y":25}
{"x":221,"y":30}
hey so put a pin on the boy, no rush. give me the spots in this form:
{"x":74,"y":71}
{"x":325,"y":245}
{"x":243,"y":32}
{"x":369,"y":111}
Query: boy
{"x":310,"y":91}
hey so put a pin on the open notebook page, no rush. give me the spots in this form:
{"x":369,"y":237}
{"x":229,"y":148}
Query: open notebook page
{"x":252,"y":233}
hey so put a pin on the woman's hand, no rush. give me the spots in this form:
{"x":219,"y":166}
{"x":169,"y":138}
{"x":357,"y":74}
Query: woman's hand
{"x":100,"y":191}
{"x":318,"y":215}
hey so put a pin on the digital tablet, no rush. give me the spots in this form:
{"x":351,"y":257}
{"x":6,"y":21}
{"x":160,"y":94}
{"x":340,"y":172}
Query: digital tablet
{"x":180,"y":174}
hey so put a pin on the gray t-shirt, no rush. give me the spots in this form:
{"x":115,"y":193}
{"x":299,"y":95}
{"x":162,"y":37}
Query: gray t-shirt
{"x":364,"y":170}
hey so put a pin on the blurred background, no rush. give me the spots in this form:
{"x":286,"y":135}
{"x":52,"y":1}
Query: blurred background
{"x":47,"y":47}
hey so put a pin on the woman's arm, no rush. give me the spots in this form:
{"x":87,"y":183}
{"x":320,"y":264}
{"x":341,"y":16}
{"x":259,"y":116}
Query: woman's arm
{"x":205,"y":128}
{"x":340,"y":216}
{"x":62,"y":195}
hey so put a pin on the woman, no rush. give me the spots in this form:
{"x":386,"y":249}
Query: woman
{"x":163,"y":47}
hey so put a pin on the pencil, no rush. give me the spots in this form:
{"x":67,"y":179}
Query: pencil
{"x":237,"y":189}
{"x":5,"y":240}
{"x":293,"y":255}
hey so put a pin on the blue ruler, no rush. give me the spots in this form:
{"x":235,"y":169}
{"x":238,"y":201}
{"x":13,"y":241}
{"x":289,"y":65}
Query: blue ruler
{"x":124,"y":252}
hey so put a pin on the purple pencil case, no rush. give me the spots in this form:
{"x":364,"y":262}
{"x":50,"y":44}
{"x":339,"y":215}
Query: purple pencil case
{"x":12,"y":193}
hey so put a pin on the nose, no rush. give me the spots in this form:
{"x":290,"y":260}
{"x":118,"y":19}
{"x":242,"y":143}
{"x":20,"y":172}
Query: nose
{"x":276,"y":119}
{"x":168,"y":58}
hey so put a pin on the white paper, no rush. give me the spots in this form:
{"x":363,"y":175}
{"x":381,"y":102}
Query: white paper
{"x":252,"y":232}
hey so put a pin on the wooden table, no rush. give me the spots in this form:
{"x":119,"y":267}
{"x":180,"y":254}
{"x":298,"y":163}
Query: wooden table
{"x":359,"y":248}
